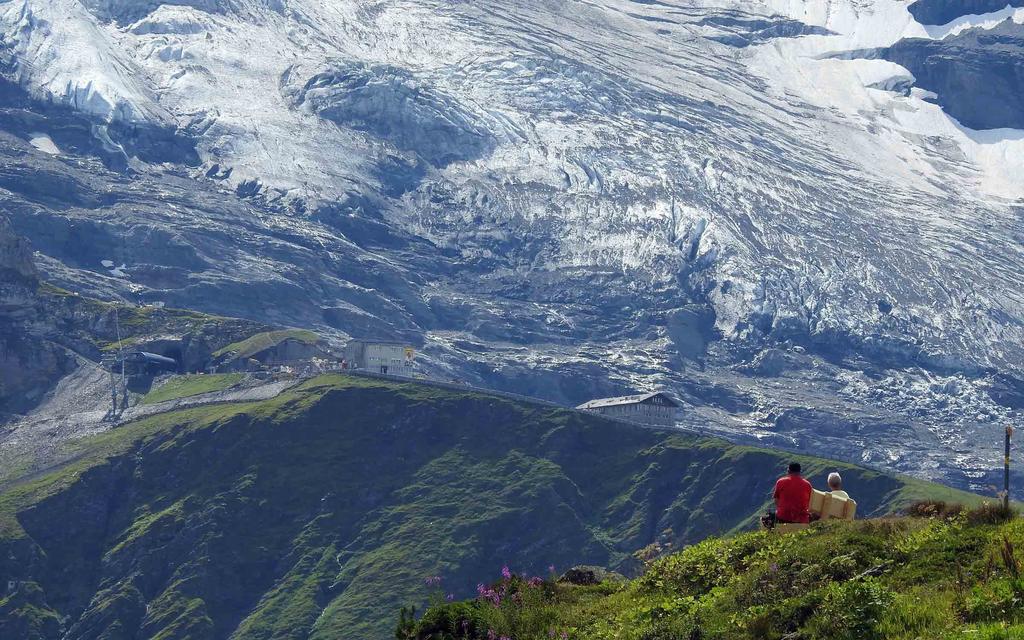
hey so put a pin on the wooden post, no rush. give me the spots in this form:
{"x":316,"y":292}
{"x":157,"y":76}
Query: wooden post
{"x":1006,"y":470}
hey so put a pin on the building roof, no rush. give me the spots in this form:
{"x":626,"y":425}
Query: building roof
{"x":388,"y":343}
{"x":637,"y":399}
{"x":151,"y":357}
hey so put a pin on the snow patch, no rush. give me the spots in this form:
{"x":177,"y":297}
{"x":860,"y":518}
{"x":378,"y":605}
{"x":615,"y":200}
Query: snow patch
{"x":44,"y":143}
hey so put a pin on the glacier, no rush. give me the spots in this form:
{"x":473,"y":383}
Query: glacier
{"x":742,"y":202}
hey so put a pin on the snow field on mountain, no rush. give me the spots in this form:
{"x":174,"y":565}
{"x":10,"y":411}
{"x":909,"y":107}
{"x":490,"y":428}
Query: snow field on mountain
{"x":588,"y":171}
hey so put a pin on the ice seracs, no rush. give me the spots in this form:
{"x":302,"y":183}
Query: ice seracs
{"x":560,"y":196}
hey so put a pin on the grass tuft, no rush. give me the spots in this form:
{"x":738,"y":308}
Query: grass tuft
{"x":191,"y":385}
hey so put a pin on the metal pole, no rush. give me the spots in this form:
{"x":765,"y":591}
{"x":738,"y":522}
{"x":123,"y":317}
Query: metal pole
{"x":1006,"y":470}
{"x":113,"y":392}
{"x":120,"y":356}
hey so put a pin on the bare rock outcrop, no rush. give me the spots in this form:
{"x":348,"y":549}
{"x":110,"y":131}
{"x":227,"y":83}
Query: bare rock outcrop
{"x":15,"y":256}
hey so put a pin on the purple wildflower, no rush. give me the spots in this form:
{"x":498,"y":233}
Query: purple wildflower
{"x":506,"y":573}
{"x":450,"y":597}
{"x":486,"y":593}
{"x":535,"y":581}
{"x":551,"y":568}
{"x":491,"y":635}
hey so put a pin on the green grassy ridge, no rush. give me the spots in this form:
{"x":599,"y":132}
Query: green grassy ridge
{"x":265,"y":340}
{"x":316,"y":514}
{"x":935,"y":578}
{"x":191,"y":385}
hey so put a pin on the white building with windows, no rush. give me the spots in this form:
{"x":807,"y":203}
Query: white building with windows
{"x":390,"y":358}
{"x":657,"y":408}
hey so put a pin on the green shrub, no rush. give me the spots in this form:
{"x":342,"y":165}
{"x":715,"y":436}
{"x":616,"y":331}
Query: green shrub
{"x":669,"y":630}
{"x":934,"y":509}
{"x":782,"y":618}
{"x":450,"y":621}
{"x":851,"y":611}
{"x":705,"y":565}
{"x":512,"y":608}
{"x":991,"y":513}
{"x":987,"y":513}
{"x":1000,"y":599}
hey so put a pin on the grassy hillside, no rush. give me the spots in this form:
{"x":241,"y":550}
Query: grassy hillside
{"x":192,"y":385}
{"x":265,"y":340}
{"x":950,"y":575}
{"x":316,"y":514}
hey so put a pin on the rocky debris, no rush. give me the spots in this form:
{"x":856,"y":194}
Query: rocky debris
{"x":78,"y":406}
{"x":585,"y":575}
{"x":75,"y":406}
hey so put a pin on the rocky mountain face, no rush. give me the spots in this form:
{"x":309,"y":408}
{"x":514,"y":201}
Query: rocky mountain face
{"x":977,"y":75}
{"x":46,"y":332}
{"x":16,"y":263}
{"x":29,"y":365}
{"x":742,"y":202}
{"x":318,"y":513}
{"x":946,"y":11}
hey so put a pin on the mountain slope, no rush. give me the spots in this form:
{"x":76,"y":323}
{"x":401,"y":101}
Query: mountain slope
{"x":946,"y":575}
{"x":316,"y":514}
{"x":740,"y":201}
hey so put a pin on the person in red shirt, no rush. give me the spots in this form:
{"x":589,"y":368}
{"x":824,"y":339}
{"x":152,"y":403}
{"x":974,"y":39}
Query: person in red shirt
{"x":792,"y":496}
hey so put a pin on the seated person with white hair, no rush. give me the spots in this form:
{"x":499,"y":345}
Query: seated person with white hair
{"x":835,"y":486}
{"x":833,"y":504}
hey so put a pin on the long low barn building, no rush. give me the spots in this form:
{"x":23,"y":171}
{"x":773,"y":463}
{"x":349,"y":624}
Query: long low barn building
{"x":647,"y":408}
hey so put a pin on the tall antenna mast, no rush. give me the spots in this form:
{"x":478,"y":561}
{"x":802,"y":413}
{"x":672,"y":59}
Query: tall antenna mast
{"x":120,"y":356}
